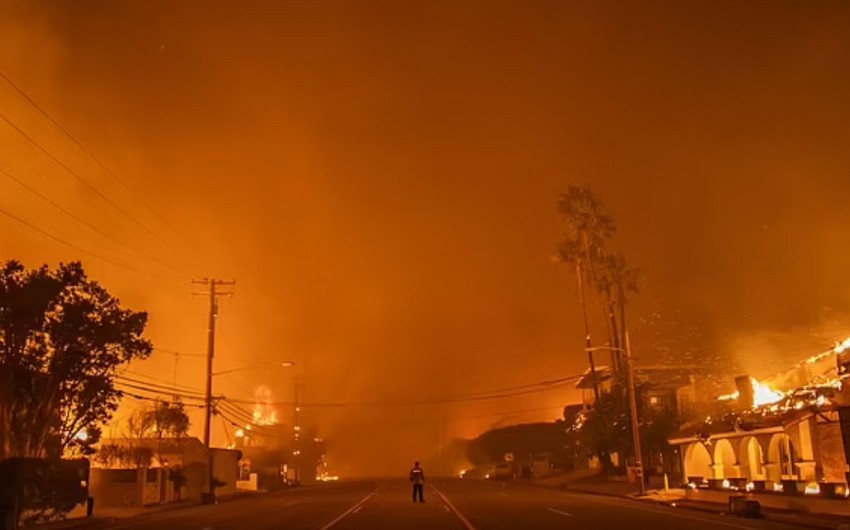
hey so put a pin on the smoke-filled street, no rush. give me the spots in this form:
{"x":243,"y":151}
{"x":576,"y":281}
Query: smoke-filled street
{"x":279,"y":264}
{"x":450,"y":505}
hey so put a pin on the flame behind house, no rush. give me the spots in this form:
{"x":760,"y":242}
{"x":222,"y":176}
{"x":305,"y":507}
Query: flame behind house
{"x":762,"y":394}
{"x":819,"y":371}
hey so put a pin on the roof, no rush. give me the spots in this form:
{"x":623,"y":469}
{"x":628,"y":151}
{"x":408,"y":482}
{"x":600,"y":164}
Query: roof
{"x":734,"y":425}
{"x":603,"y":373}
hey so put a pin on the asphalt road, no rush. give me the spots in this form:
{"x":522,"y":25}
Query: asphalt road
{"x":450,"y":505}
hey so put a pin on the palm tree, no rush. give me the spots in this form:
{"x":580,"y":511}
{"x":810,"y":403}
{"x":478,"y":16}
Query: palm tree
{"x":585,"y":229}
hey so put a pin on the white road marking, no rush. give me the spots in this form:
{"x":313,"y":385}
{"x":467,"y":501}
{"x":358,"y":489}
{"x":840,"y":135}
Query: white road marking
{"x":559,"y":512}
{"x":464,"y":520}
{"x":447,"y":508}
{"x":672,"y":512}
{"x":503,"y":494}
{"x":353,"y":509}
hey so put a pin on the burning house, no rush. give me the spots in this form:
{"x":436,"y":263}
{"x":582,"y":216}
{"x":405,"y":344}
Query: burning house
{"x":787,"y":433}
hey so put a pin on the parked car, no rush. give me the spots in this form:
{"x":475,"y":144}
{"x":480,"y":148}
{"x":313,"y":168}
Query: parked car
{"x":503,"y":471}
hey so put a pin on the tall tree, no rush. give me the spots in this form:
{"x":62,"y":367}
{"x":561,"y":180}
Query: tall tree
{"x":62,"y":337}
{"x":615,"y":279}
{"x":584,"y":231}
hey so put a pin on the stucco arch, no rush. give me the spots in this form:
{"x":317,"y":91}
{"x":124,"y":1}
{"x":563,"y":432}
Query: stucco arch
{"x":698,"y":461}
{"x":781,"y":455}
{"x":751,"y":458}
{"x":725,"y":460}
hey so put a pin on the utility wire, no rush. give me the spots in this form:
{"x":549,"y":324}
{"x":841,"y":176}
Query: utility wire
{"x":61,"y":241}
{"x":85,"y":182}
{"x":82,"y":221}
{"x":181,"y":354}
{"x":166,"y":387}
{"x":145,"y":398}
{"x":253,"y":428}
{"x":158,"y":392}
{"x":534,"y":388}
{"x":241,"y":414}
{"x":79,"y":144}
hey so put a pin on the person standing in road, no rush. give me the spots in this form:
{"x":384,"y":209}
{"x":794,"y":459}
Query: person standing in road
{"x":417,"y":476}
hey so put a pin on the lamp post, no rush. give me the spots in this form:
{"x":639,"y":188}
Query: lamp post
{"x":209,"y":498}
{"x":632,"y":406}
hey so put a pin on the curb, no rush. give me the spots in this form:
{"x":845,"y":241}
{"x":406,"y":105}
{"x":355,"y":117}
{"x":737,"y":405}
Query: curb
{"x":79,"y":522}
{"x":775,"y":517}
{"x":772,"y":517}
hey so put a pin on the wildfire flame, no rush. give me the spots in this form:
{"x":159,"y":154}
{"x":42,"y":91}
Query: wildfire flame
{"x":762,"y":394}
{"x":264,"y":412}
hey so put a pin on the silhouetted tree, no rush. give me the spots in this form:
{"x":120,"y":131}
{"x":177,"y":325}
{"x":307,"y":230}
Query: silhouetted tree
{"x":585,"y":231}
{"x":615,"y":279}
{"x":62,"y":336}
{"x":607,"y":427}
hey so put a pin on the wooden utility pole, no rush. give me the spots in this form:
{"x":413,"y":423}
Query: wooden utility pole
{"x":634,"y":415}
{"x":588,"y":344}
{"x":212,"y":286}
{"x":297,"y":459}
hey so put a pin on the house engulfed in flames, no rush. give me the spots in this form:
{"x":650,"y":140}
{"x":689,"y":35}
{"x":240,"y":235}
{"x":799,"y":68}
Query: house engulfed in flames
{"x":787,"y":433}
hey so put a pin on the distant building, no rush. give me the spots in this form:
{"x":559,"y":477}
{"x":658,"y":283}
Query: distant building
{"x":145,"y":471}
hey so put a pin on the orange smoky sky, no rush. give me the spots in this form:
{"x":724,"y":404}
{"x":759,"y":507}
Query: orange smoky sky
{"x":380,"y":180}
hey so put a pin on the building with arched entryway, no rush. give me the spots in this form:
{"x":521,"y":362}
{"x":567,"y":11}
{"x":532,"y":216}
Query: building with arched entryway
{"x":800,"y":445}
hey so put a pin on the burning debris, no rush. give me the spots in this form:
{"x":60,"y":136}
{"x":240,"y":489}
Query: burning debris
{"x":760,"y":395}
{"x":817,"y":390}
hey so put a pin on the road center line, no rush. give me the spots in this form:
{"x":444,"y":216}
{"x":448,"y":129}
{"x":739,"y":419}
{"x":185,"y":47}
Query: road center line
{"x":354,"y":509}
{"x":559,"y":512}
{"x":464,"y":520}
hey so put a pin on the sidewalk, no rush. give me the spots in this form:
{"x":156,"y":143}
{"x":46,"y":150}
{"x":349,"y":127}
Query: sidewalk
{"x":108,"y":514}
{"x":675,"y":498}
{"x":806,"y":520}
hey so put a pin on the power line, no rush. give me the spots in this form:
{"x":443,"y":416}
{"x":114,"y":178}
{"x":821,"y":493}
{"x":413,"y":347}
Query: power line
{"x":158,"y":392}
{"x":85,"y":182}
{"x":79,"y":144}
{"x":504,"y":413}
{"x":145,"y":398}
{"x":81,"y":220}
{"x":543,"y":386}
{"x":244,"y":415}
{"x":158,"y":383}
{"x":61,"y":241}
{"x":181,"y":354}
{"x":253,"y":429}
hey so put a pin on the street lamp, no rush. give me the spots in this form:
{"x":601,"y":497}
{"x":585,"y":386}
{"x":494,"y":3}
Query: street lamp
{"x":632,"y":405}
